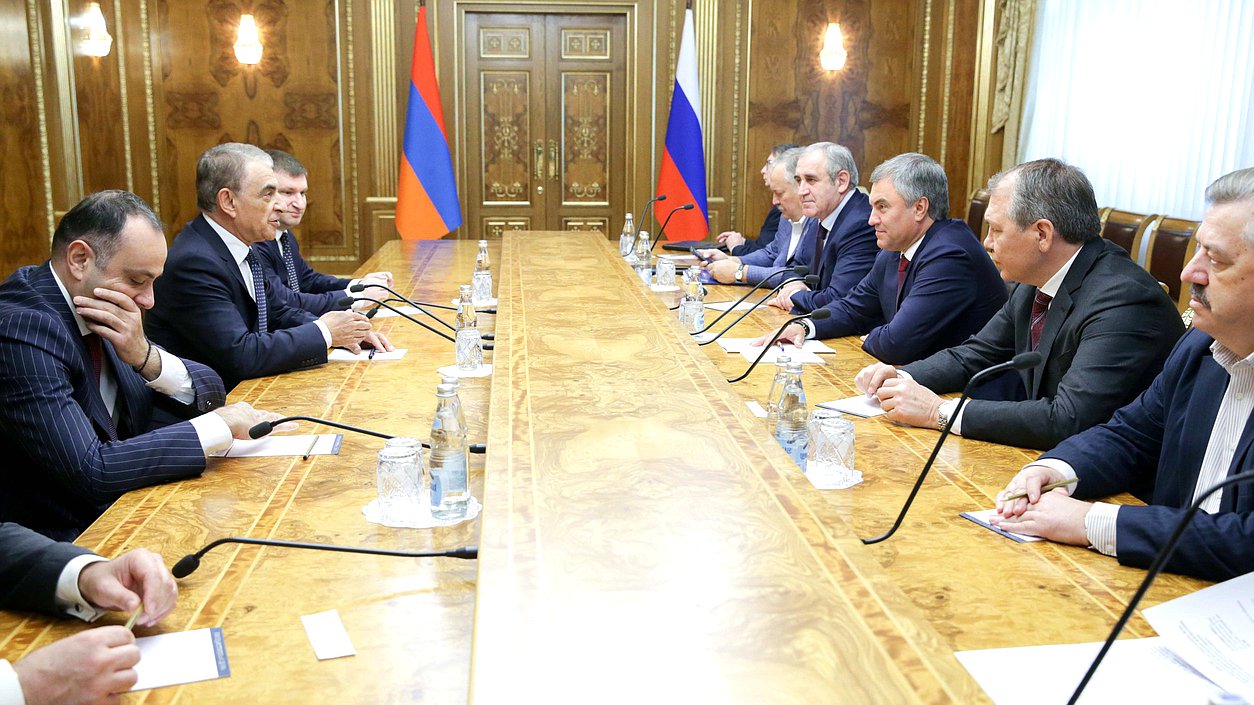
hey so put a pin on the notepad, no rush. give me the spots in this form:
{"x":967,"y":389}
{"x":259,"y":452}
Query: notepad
{"x":342,"y":355}
{"x":860,"y":405}
{"x":982,"y":518}
{"x":290,"y":445}
{"x":756,"y":409}
{"x":181,"y":657}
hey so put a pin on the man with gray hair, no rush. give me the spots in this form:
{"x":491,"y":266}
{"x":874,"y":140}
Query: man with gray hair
{"x":842,"y":248}
{"x":932,"y":286}
{"x":213,"y":304}
{"x":1102,"y":324}
{"x":1189,"y":431}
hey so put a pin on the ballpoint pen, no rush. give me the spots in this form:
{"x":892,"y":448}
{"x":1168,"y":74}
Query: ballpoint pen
{"x":1046,"y":488}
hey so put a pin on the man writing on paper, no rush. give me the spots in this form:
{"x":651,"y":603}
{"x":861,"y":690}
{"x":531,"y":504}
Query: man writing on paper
{"x":214,"y":305}
{"x":1102,"y":324}
{"x":1188,"y":431}
{"x":286,"y":271}
{"x":932,"y":285}
{"x":842,"y":249}
{"x":41,"y":575}
{"x":784,"y":249}
{"x":89,"y":408}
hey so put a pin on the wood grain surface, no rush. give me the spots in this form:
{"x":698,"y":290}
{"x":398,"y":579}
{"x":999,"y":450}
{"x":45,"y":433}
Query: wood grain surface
{"x":643,"y":537}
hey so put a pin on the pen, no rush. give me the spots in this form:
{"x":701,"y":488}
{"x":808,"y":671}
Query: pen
{"x":130,"y":623}
{"x":371,"y":355}
{"x":308,"y":451}
{"x":1046,"y":488}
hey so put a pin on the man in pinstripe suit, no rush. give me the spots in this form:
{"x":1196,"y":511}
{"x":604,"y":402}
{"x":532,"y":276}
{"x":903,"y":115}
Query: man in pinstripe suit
{"x":79,"y":381}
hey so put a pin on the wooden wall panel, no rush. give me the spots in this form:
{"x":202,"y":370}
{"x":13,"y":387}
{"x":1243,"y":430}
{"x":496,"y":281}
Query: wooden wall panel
{"x":24,"y":229}
{"x":104,"y":154}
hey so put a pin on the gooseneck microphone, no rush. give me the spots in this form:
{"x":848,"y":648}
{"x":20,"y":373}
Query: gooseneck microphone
{"x":811,"y":280}
{"x":662,"y":231}
{"x":265,"y":427}
{"x":356,"y":288}
{"x":817,"y":314}
{"x":800,"y":270}
{"x":644,"y":214}
{"x":442,"y":334}
{"x":1156,"y":567}
{"x":189,"y":563}
{"x":1022,"y":361}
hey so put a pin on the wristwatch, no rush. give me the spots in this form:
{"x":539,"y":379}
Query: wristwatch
{"x":942,"y":417}
{"x":740,"y":273}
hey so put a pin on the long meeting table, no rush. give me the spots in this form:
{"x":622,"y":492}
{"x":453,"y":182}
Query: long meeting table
{"x":643,"y":538}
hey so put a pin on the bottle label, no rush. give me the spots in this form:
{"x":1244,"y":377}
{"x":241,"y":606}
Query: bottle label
{"x":437,"y":488}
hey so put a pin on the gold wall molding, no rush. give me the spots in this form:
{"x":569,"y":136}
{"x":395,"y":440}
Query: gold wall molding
{"x":41,"y":106}
{"x":383,"y":71}
{"x":923,"y":73}
{"x":151,"y":106}
{"x":119,"y":41}
{"x":947,"y":80}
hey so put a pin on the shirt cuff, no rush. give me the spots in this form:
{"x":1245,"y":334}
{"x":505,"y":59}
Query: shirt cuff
{"x":10,"y":688}
{"x":947,"y":408}
{"x":809,"y":326}
{"x":1099,"y":527}
{"x":326,"y":332}
{"x":174,"y":380}
{"x":214,"y":433}
{"x":68,"y":599}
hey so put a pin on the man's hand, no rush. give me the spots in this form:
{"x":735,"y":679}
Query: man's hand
{"x":731,"y":239}
{"x":84,"y":669}
{"x":724,"y":270}
{"x":378,"y":341}
{"x":1031,"y":478}
{"x":348,"y":329}
{"x":241,"y":416}
{"x":1054,"y":516}
{"x":871,"y":377}
{"x":783,"y":300}
{"x":118,"y":320}
{"x":908,"y":402}
{"x":118,"y":585}
{"x":794,"y":333}
{"x":384,"y":278}
{"x":713,"y":255}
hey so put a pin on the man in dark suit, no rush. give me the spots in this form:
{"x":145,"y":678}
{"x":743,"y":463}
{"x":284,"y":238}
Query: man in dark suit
{"x":843,"y":248}
{"x":932,"y":285}
{"x":286,"y":271}
{"x":41,"y":575}
{"x":736,"y":243}
{"x":1102,"y":324}
{"x":80,"y":384}
{"x":1190,"y":430}
{"x":214,"y":306}
{"x":784,"y":250}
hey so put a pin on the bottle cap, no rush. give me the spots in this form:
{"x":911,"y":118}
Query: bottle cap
{"x":444,"y":390}
{"x":794,"y":368}
{"x":464,"y":288}
{"x":483,"y":243}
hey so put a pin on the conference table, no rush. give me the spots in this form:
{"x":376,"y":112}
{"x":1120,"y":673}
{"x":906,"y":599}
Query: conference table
{"x":643,"y":537}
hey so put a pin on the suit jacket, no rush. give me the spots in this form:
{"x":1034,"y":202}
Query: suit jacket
{"x":950,"y":291}
{"x":766,"y":234}
{"x":204,"y":312}
{"x":1105,"y":338}
{"x":30,"y":565}
{"x":1154,"y":447}
{"x":318,"y":293}
{"x":760,"y":264}
{"x":61,"y":470}
{"x":848,"y":254}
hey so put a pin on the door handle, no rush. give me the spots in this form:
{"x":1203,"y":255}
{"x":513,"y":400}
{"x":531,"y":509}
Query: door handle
{"x":553,"y":160}
{"x":539,"y":160}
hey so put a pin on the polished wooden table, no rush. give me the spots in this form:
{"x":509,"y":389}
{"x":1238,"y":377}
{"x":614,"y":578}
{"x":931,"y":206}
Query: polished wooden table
{"x":643,"y":537}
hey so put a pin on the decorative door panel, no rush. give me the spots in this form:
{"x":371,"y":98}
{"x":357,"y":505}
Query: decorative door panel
{"x":546,"y":108}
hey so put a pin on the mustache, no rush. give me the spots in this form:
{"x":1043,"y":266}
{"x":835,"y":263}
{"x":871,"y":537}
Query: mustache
{"x":1199,"y":292}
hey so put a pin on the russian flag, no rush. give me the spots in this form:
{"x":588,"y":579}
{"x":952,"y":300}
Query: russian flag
{"x":682,"y":178}
{"x":427,"y":206}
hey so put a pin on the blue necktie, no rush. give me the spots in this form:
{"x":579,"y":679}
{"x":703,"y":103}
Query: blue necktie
{"x":293,"y":282}
{"x":259,"y":292}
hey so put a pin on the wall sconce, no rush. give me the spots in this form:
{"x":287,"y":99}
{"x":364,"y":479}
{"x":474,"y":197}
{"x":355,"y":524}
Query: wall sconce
{"x":832,"y":56}
{"x":248,"y":43}
{"x":93,"y":38}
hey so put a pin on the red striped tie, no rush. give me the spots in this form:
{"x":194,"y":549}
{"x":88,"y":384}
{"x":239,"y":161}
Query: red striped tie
{"x":1040,"y":307}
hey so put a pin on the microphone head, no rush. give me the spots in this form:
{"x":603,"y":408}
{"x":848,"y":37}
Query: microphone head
{"x":812,"y":280}
{"x":819,"y":314}
{"x":1026,"y":360}
{"x":345,"y":302}
{"x":687,"y":206}
{"x":357,"y":287}
{"x":262,"y":429}
{"x":801,"y":270}
{"x":661,"y":198}
{"x":186,"y":566}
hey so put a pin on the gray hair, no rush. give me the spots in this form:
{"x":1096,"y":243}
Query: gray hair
{"x":222,"y":167}
{"x":838,"y":158}
{"x":1050,"y":189}
{"x":1233,"y":188}
{"x":788,"y":161}
{"x":99,"y":219}
{"x":779,"y":149}
{"x":916,"y":176}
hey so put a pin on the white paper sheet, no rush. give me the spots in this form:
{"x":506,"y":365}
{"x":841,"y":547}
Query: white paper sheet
{"x":735,"y":345}
{"x":327,"y":635}
{"x":982,"y":518}
{"x":725,"y":305}
{"x":756,"y":408}
{"x":751,"y":354}
{"x":181,"y":657}
{"x":1213,"y":629}
{"x":1135,"y":671}
{"x":341,"y":355}
{"x":389,"y":313}
{"x":276,"y":445}
{"x":860,"y":405}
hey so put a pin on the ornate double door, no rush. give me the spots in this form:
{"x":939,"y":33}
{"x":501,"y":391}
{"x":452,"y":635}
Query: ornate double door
{"x":546,"y":121}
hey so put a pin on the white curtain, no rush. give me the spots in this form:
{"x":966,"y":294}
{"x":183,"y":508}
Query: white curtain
{"x":1153,"y":99}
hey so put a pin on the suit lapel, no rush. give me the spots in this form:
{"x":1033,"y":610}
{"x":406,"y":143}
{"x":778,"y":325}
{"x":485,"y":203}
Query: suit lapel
{"x":202,"y":227}
{"x":130,"y":392}
{"x":809,"y":231}
{"x":1059,"y":309}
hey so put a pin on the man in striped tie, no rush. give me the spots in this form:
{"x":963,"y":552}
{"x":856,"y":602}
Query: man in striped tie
{"x":284,"y":267}
{"x":1102,"y":324}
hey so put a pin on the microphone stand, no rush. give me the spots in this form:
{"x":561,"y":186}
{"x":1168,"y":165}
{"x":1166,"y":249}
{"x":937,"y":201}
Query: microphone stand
{"x":446,"y":336}
{"x":810,"y":280}
{"x":660,"y":233}
{"x":266,"y":427}
{"x":1156,"y":567}
{"x":416,"y":304}
{"x":800,"y":270}
{"x":189,"y":563}
{"x":1019,"y":362}
{"x":644,"y":214}
{"x":817,"y":314}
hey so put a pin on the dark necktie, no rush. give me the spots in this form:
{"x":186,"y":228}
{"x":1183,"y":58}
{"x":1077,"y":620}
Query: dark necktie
{"x":259,"y":292}
{"x":902,"y":263}
{"x":293,"y":282}
{"x":817,"y":262}
{"x":1040,"y":307}
{"x":95,"y":351}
